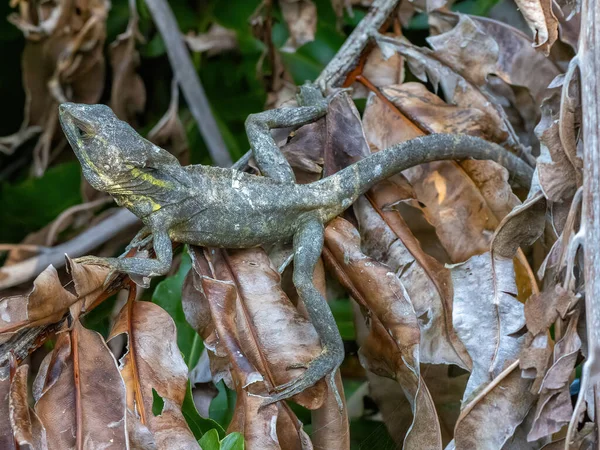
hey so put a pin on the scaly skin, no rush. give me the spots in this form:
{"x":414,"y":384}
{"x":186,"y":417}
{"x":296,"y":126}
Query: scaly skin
{"x":210,"y":206}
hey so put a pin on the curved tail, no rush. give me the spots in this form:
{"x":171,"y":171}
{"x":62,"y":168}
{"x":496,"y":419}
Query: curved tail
{"x":358,"y":178}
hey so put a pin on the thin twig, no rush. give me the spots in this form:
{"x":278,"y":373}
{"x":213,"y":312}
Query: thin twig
{"x":187,"y":78}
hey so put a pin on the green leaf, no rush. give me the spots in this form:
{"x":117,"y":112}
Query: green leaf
{"x":198,"y":424}
{"x":366,"y":433}
{"x":168,"y":296}
{"x":222,"y":406}
{"x":35,"y":202}
{"x":342,"y":312}
{"x":210,"y":441}
{"x":158,"y":403}
{"x":233,"y":441}
{"x":475,"y":7}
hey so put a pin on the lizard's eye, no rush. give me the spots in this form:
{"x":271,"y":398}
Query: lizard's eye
{"x":83,"y":131}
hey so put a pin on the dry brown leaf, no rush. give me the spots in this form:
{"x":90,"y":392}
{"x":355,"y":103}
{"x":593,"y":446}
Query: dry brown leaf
{"x":433,"y":115}
{"x":391,"y":348}
{"x":518,"y":441}
{"x":554,"y":408}
{"x":152,"y":345}
{"x":216,"y":40}
{"x":379,"y":71}
{"x":345,"y":141}
{"x":26,"y":425}
{"x":467,"y":49}
{"x":568,"y":14}
{"x":430,"y":113}
{"x":290,"y":432}
{"x":269,"y":330}
{"x":460,"y":214}
{"x":49,"y":300}
{"x":490,"y":419}
{"x":80,"y":390}
{"x":257,"y":424}
{"x":509,"y":51}
{"x":140,"y":437}
{"x":330,"y":426}
{"x":583,"y":439}
{"x":128,"y":93}
{"x":387,"y":239}
{"x":487,"y":316}
{"x":522,"y":226}
{"x":541,"y":20}
{"x":270,"y":427}
{"x":535,"y":358}
{"x":301,"y":19}
{"x":304,"y":151}
{"x":542,"y":310}
{"x":457,"y":90}
{"x":558,"y":178}
{"x":62,"y":61}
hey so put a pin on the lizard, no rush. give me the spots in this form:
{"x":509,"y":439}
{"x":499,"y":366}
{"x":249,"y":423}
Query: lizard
{"x":223,"y":207}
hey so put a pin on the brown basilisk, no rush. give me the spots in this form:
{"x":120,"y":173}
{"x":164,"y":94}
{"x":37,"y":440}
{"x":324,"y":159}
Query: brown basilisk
{"x":211,"y":206}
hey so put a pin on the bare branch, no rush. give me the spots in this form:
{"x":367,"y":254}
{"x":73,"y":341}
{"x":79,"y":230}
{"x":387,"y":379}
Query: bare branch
{"x":187,"y":78}
{"x":589,"y":64}
{"x":78,"y":246}
{"x":349,"y":53}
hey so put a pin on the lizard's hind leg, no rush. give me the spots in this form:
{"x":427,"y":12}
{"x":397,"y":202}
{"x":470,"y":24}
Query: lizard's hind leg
{"x":308,"y":243}
{"x":267,"y":155}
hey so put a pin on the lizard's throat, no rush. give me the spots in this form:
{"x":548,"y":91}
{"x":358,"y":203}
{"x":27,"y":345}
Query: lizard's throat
{"x":139,"y":204}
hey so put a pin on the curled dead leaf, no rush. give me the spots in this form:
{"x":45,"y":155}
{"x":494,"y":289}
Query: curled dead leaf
{"x":152,"y":344}
{"x":391,"y":348}
{"x":269,"y":331}
{"x":541,"y":20}
{"x":49,"y":300}
{"x":28,"y":430}
{"x":521,"y":227}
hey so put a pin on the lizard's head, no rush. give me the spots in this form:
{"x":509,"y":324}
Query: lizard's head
{"x":114,"y":157}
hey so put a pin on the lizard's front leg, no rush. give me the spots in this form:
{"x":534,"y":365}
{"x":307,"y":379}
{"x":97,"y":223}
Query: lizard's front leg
{"x":267,"y":155}
{"x":145,"y":267}
{"x":308,"y":243}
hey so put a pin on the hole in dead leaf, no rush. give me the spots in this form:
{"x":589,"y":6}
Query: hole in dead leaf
{"x":424,"y":319}
{"x":157,"y":403}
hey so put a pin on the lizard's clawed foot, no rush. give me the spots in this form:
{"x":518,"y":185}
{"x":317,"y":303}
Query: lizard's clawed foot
{"x":325,"y":364}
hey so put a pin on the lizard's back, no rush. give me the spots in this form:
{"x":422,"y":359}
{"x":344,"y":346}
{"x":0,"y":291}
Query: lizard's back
{"x":229,"y":208}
